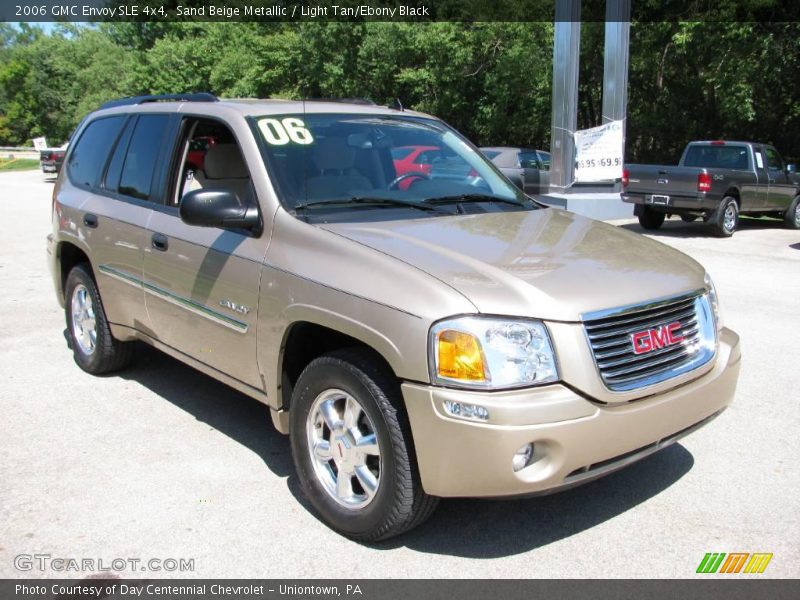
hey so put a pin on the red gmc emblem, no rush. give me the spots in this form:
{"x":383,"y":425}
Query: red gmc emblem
{"x":653,"y":339}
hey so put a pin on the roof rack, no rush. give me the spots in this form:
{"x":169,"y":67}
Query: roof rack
{"x":131,"y":100}
{"x":366,"y":101}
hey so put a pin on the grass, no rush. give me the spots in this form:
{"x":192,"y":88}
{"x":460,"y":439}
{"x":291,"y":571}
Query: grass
{"x":18,"y":164}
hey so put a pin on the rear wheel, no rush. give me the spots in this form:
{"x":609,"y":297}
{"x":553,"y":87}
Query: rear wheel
{"x":792,"y":216}
{"x":651,"y":219}
{"x":351,"y":446}
{"x":93,"y":346}
{"x":726,"y":218}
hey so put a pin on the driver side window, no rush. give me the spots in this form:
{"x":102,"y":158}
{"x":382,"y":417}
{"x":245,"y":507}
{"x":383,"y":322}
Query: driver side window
{"x":774,"y":162}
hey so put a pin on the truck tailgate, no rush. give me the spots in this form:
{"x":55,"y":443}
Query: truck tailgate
{"x":666,"y":180}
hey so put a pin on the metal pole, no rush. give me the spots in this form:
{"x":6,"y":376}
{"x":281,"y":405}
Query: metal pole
{"x":615,"y":63}
{"x":566,"y":60}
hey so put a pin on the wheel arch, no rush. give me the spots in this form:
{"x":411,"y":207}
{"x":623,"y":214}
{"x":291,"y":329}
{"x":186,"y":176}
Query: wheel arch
{"x":315,"y":332}
{"x":733,"y":192}
{"x":68,"y":256}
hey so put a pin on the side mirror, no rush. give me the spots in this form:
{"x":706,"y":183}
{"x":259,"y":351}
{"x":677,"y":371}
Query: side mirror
{"x":791,"y":168}
{"x":218,"y":208}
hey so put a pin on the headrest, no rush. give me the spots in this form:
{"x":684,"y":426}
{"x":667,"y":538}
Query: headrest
{"x":333,"y":153}
{"x":224,"y":161}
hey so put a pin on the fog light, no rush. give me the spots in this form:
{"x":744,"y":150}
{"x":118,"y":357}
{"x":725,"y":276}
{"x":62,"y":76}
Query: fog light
{"x":464,"y":410}
{"x":523,"y":457}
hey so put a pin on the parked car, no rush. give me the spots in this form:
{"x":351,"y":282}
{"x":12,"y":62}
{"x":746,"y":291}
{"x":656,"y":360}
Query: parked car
{"x":528,"y":169}
{"x":455,"y":338}
{"x":413,"y":162}
{"x":414,"y":159}
{"x":716,"y":182}
{"x":51,"y":159}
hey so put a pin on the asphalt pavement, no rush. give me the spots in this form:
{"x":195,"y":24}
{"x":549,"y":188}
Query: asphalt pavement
{"x":161,"y":462}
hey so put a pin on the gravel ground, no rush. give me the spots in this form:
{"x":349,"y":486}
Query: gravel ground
{"x":162,"y":462}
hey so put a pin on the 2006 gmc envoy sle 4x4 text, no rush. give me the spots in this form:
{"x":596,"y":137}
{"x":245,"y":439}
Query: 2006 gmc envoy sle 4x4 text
{"x":422,"y":335}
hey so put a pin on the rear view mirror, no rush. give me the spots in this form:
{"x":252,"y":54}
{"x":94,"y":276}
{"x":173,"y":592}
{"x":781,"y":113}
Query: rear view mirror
{"x":218,"y":208}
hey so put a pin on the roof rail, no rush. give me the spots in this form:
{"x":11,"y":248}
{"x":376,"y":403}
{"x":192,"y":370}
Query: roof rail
{"x":366,"y":101}
{"x":131,"y":100}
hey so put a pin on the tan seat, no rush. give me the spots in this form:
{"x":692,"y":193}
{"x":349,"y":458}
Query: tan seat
{"x":335,"y":159}
{"x":224,"y":168}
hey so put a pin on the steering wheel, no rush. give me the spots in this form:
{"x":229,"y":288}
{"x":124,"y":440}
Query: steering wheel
{"x":400,"y":178}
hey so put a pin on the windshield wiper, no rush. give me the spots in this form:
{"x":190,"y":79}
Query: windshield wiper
{"x":376,"y":202}
{"x":458,"y":198}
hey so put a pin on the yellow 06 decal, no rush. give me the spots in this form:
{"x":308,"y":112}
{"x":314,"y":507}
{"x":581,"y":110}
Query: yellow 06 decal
{"x":280,"y":133}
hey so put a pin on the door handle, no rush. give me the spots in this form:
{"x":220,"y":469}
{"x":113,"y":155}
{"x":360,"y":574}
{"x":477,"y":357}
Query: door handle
{"x":90,"y":220}
{"x":160,"y":242}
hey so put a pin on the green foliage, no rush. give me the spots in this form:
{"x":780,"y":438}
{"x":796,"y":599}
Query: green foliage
{"x":688,"y":80}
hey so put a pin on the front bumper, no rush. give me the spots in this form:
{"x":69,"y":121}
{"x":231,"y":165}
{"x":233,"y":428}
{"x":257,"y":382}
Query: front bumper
{"x":574,"y":439}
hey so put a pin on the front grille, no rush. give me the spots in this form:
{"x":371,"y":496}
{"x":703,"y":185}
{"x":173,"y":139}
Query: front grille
{"x":611,"y":337}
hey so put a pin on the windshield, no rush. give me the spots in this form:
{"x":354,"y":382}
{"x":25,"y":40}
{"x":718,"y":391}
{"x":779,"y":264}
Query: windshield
{"x":353,"y":163}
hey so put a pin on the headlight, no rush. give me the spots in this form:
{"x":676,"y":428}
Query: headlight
{"x":491,"y":353}
{"x":714,"y":300}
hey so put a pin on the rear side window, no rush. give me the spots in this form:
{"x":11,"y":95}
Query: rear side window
{"x":90,"y":153}
{"x":528,"y":160}
{"x":140,"y":161}
{"x":717,"y":157}
{"x":544,"y":159}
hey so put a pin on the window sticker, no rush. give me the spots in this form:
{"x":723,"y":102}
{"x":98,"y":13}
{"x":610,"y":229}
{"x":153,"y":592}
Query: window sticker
{"x":281,"y":132}
{"x":759,"y":160}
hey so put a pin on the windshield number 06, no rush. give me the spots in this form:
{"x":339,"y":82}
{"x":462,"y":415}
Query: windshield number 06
{"x":280,"y":133}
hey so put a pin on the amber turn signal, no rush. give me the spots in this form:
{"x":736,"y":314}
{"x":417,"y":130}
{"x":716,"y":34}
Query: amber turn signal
{"x":460,"y":356}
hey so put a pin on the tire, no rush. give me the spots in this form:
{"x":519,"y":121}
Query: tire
{"x":791,"y":217}
{"x":651,"y":219}
{"x":94,"y":348}
{"x":349,"y":385}
{"x":726,"y":218}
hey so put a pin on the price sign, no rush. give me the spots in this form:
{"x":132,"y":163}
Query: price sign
{"x":598,"y":153}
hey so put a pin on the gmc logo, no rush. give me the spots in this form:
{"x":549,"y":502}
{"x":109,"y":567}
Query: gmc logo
{"x":653,"y":339}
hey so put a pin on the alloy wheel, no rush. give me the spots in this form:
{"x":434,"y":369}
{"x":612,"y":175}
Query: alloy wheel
{"x":344,"y":449}
{"x":84,"y":324}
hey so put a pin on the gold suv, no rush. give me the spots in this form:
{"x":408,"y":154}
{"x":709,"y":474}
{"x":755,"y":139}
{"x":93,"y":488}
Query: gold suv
{"x":418,"y":332}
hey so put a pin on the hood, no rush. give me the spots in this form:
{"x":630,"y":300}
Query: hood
{"x":549,"y":264}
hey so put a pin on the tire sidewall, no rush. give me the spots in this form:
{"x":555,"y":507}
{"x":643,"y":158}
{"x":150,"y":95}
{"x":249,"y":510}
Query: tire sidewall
{"x":650,"y":219}
{"x":789,"y":217}
{"x":328,"y":373}
{"x":80,"y":276}
{"x":724,"y":209}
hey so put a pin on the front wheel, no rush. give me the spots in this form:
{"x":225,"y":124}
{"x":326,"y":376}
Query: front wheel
{"x":94,"y":348}
{"x":352,"y":448}
{"x":651,"y":219}
{"x":792,"y":216}
{"x":726,"y":218}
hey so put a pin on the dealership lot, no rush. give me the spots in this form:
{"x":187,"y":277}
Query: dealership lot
{"x":161,"y":462}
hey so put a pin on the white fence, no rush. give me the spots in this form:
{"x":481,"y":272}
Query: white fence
{"x":18,"y":152}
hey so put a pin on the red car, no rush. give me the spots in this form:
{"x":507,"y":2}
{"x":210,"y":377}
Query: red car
{"x":414,"y":159}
